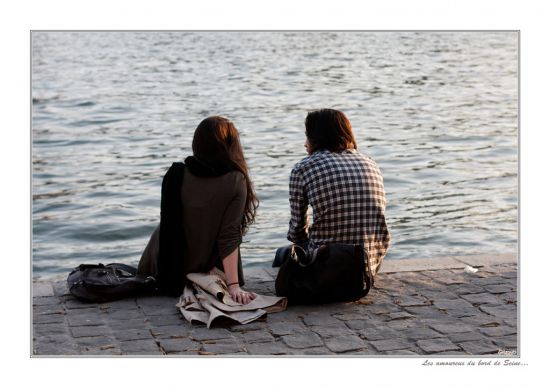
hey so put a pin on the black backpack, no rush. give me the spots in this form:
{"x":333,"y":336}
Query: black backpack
{"x":102,"y":283}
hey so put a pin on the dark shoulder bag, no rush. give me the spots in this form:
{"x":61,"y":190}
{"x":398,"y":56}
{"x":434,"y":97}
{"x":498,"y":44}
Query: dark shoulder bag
{"x":101,"y":283}
{"x":332,"y":273}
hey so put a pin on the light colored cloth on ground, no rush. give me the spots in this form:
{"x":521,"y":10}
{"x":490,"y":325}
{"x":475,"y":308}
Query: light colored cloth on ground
{"x":207,"y":299}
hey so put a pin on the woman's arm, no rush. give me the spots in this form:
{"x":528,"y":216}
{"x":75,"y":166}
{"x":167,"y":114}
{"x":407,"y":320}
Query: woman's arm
{"x":232,"y":279}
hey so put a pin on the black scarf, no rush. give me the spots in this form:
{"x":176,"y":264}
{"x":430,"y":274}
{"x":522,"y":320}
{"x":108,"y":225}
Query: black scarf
{"x":171,"y":276}
{"x":202,"y":169}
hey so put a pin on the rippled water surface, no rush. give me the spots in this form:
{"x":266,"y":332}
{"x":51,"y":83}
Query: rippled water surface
{"x":112,"y":110}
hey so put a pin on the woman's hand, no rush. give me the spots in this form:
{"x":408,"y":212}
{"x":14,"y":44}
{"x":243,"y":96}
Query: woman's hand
{"x":239,"y":295}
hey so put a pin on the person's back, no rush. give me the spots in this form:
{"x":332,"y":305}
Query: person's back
{"x":344,"y":188}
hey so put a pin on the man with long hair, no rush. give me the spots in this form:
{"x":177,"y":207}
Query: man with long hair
{"x":344,"y":188}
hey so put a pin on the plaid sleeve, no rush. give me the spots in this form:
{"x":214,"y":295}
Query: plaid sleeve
{"x":298,"y":225}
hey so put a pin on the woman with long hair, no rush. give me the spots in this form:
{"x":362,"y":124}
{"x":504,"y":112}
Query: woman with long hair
{"x":207,"y":204}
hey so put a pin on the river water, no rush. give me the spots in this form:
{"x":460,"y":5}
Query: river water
{"x":111,"y":111}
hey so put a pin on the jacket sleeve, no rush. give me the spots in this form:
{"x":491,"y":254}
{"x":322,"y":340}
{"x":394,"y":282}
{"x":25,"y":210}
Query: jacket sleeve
{"x":230,"y":235}
{"x":298,"y":225}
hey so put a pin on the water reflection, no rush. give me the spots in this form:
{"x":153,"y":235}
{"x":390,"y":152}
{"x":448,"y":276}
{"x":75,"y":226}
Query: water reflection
{"x":438,"y":112}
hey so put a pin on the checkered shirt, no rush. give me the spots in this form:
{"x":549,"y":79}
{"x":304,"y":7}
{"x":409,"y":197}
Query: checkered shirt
{"x":346,"y":193}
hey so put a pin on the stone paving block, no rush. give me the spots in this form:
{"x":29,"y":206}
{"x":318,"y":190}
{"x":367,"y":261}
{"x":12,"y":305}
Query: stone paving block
{"x":466,"y":288}
{"x":288,"y":315}
{"x":123,"y":314}
{"x":314,"y":319}
{"x":409,"y":301}
{"x":201,"y":333}
{"x":48,"y":318}
{"x":56,"y":339}
{"x":42,"y":289}
{"x":399,"y":292}
{"x":223,"y":346}
{"x":171,"y":345}
{"x":399,"y":315}
{"x":327,"y":331}
{"x":319,"y":351}
{"x":89,"y":331}
{"x":402,"y":352}
{"x":98,"y":346}
{"x":487,"y":281}
{"x":401,"y":325}
{"x":498,"y":331}
{"x":511,"y":322}
{"x":284,"y":328}
{"x":509,"y":275}
{"x":448,"y":328}
{"x":426,"y":312}
{"x":45,"y":329}
{"x":391,"y":344}
{"x":132,"y":334}
{"x":505,"y":312}
{"x":418,"y":333}
{"x":352,"y":316}
{"x":267,"y":348}
{"x":55,"y":349}
{"x":45,"y":301}
{"x":345,"y":343}
{"x":482,"y":320}
{"x":509,"y":297}
{"x":489,"y":260}
{"x":499,"y":288}
{"x":152,"y":301}
{"x":258,"y":275}
{"x":143,"y":347}
{"x":121,"y":304}
{"x":383,"y":308}
{"x":362,"y":324}
{"x":452,"y":304}
{"x":440,"y":293}
{"x":463,"y":313}
{"x":452,"y":353}
{"x":480,"y":347}
{"x":452,"y":279}
{"x":256,"y":336}
{"x":272,"y":272}
{"x":506,"y":342}
{"x":48,"y":309}
{"x":420,"y":264}
{"x":73,"y":303}
{"x":136,"y":323}
{"x":60,"y":288}
{"x":160,"y":310}
{"x":252,"y":326}
{"x":88,"y":319}
{"x":105,"y":350}
{"x":436,"y":345}
{"x":301,"y":340}
{"x":166,"y":320}
{"x":175,"y":332}
{"x":375,"y":333}
{"x":465,"y":337}
{"x":483,"y":298}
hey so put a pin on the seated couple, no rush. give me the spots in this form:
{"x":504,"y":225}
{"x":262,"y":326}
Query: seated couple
{"x":208,"y":202}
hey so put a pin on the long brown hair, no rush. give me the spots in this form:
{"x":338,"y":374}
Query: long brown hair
{"x":216,"y":142}
{"x":329,"y":129}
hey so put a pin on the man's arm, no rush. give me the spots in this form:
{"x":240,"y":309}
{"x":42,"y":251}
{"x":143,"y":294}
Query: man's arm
{"x":298,"y":225}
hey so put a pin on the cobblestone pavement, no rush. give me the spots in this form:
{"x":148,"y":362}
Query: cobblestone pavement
{"x":413,"y":310}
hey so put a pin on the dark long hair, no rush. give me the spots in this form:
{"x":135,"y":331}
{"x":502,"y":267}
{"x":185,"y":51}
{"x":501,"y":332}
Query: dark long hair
{"x":329,"y":129}
{"x":216,"y":142}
